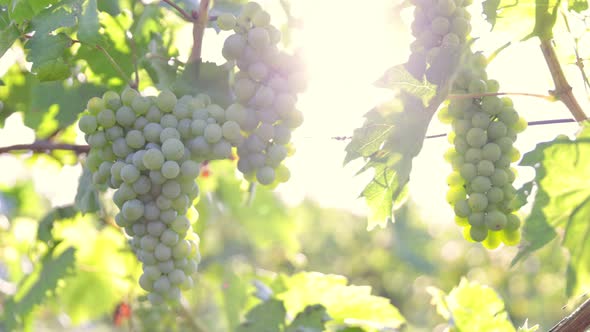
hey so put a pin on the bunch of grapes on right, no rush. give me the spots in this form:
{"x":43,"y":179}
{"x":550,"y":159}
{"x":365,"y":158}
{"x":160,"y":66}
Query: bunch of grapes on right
{"x":484,"y":126}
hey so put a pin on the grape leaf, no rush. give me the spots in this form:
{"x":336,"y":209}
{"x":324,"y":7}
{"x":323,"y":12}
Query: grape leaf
{"x":8,"y":32}
{"x":545,"y":17}
{"x":206,"y":77}
{"x":472,"y":307}
{"x":87,"y":196}
{"x":577,"y":5}
{"x":268,"y":316}
{"x":392,"y":135}
{"x":46,"y":48}
{"x":235,"y":296}
{"x":562,"y":200}
{"x":345,"y":304}
{"x":20,"y":10}
{"x":53,"y":18}
{"x":35,"y":288}
{"x":88,"y":24}
{"x":46,"y":224}
{"x":109,"y":6}
{"x":398,"y":78}
{"x":53,"y":70}
{"x":312,"y":319}
{"x":514,"y":16}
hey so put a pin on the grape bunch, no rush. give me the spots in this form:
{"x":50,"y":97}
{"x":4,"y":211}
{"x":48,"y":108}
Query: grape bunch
{"x":441,"y":28}
{"x":484,"y":131}
{"x":149,"y":150}
{"x":265,"y":87}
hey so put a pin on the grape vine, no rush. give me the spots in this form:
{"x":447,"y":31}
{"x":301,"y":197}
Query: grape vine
{"x":150,"y":148}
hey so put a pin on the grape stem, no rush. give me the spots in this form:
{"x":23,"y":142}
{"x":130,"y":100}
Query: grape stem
{"x":479,"y":95}
{"x":134,"y":55}
{"x":562,"y":91}
{"x":45,"y":147}
{"x":199,"y":25}
{"x":579,"y":320}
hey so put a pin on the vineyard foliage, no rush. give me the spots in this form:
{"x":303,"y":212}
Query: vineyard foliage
{"x":263,"y":264}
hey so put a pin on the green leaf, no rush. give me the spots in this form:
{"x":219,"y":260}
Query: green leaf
{"x":22,"y":200}
{"x":37,"y":286}
{"x":472,"y":307}
{"x":312,"y":319}
{"x":88,"y":25}
{"x":8,"y":32}
{"x":577,"y":5}
{"x":109,"y":6}
{"x":20,"y":10}
{"x":47,"y":48}
{"x":490,"y":10}
{"x":235,"y":297}
{"x":562,"y":200}
{"x":53,"y":70}
{"x":87,"y":196}
{"x":268,"y":316}
{"x":392,"y":135}
{"x":398,"y":78}
{"x":345,"y":304}
{"x":46,"y":224}
{"x":514,"y":16}
{"x":53,"y":18}
{"x":545,"y":17}
{"x":206,"y":78}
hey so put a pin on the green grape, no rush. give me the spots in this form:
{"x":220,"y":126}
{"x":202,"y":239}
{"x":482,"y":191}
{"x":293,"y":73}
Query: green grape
{"x":481,"y":120}
{"x":473,"y":155}
{"x":132,"y":210}
{"x":154,"y":114}
{"x":169,"y":238}
{"x":213,"y":133}
{"x":233,"y":46}
{"x":258,"y":71}
{"x":180,"y":225}
{"x":258,"y":38}
{"x":505,"y":144}
{"x":236,"y":112}
{"x":460,"y":27}
{"x":169,"y":121}
{"x":95,"y":105}
{"x":170,"y":169}
{"x":135,"y":139}
{"x":129,"y":173}
{"x":173,"y":149}
{"x":128,"y":95}
{"x":462,"y":208}
{"x":120,"y":148}
{"x":111,"y":100}
{"x":477,"y":202}
{"x":168,"y":133}
{"x":495,"y":220}
{"x":481,"y":184}
{"x":282,"y":173}
{"x":476,"y":137}
{"x":153,"y":159}
{"x":162,"y":285}
{"x":88,"y":124}
{"x":478,"y":233}
{"x":140,"y":105}
{"x":275,"y":154}
{"x":441,"y":25}
{"x":142,"y":185}
{"x":106,"y":118}
{"x":190,"y":169}
{"x":171,"y":189}
{"x":509,"y":117}
{"x":477,"y":86}
{"x":485,"y":168}
{"x":177,"y":277}
{"x":152,"y":132}
{"x":491,"y":152}
{"x":198,"y":127}
{"x":445,"y":7}
{"x":148,"y":242}
{"x":216,"y":112}
{"x":265,"y":175}
{"x":114,"y":132}
{"x":455,"y":194}
{"x":520,"y":125}
{"x":261,"y":19}
{"x":244,"y":89}
{"x":468,"y":171}
{"x":166,"y":101}
{"x":226,"y":21}
{"x":125,"y":117}
{"x":495,"y":195}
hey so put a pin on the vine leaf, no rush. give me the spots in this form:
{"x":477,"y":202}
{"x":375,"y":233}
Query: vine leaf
{"x":87,"y":196}
{"x":347,"y":305}
{"x":36,"y":286}
{"x":205,"y":77}
{"x":472,"y":307}
{"x":577,"y":5}
{"x":392,"y":135}
{"x":46,"y":53}
{"x":268,"y":316}
{"x":562,"y":200}
{"x":88,"y":24}
{"x":312,"y":319}
{"x":545,"y":17}
{"x":46,"y":224}
{"x":398,"y":78}
{"x":8,"y":32}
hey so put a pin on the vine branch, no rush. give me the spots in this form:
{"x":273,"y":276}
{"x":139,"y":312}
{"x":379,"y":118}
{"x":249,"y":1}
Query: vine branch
{"x":563,"y":91}
{"x":199,"y":26}
{"x":579,"y":320}
{"x":479,"y":95}
{"x":181,"y":11}
{"x":45,"y":146}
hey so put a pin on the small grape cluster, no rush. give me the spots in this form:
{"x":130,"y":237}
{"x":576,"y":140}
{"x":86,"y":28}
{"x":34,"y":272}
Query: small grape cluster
{"x":441,"y":28}
{"x":265,"y":86}
{"x":484,"y":131}
{"x":149,"y":150}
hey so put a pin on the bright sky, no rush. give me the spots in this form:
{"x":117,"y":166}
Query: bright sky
{"x":347,"y":49}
